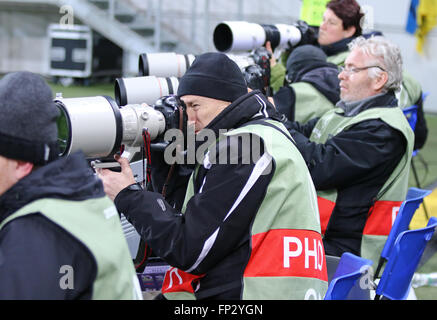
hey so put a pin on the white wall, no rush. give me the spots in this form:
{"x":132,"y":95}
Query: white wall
{"x":23,"y":38}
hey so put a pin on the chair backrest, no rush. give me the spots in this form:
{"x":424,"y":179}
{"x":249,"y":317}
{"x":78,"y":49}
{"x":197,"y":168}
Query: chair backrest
{"x":406,"y":211}
{"x":403,"y":261}
{"x":411,"y":115}
{"x":411,"y":112}
{"x":349,"y":270}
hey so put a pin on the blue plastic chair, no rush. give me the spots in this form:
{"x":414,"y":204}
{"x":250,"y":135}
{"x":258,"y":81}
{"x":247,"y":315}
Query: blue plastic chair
{"x":403,"y":261}
{"x":411,"y":115}
{"x":406,"y":211}
{"x":349,"y":270}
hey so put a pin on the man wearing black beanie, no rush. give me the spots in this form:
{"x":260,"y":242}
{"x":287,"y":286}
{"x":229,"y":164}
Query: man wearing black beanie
{"x":54,"y":215}
{"x":238,"y":233}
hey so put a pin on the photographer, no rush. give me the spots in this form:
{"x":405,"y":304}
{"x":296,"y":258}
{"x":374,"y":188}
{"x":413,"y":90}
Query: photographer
{"x":341,"y":24}
{"x":312,"y":85}
{"x":60,"y":236}
{"x":343,"y":15}
{"x":359,"y":153}
{"x":241,"y":220}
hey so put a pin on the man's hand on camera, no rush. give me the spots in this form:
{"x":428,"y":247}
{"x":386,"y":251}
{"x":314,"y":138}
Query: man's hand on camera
{"x":309,"y":34}
{"x":114,"y":182}
{"x":270,"y":50}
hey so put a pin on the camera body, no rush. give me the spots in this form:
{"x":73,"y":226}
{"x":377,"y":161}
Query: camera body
{"x":257,"y":74}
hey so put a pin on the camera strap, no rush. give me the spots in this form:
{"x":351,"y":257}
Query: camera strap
{"x":144,"y":251}
{"x":268,"y":124}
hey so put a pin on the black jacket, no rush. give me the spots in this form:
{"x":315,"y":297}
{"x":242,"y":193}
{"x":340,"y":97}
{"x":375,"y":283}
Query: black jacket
{"x":322,"y":75}
{"x":32,"y":248}
{"x":357,"y":163}
{"x":179,"y":239}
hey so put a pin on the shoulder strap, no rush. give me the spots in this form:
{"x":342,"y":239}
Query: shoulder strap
{"x":268,"y":124}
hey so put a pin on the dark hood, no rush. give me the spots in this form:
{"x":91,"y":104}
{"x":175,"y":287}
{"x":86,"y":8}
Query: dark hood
{"x":325,"y":80}
{"x":322,"y":75}
{"x":68,"y":178}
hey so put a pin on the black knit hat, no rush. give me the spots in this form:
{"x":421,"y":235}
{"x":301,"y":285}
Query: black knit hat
{"x":28,"y":115}
{"x":301,"y":59}
{"x":213,"y":75}
{"x":305,"y":53}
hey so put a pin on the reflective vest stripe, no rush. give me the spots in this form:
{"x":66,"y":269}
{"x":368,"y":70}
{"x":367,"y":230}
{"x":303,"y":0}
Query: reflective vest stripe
{"x":297,"y":253}
{"x":380,"y":219}
{"x":325,"y":210}
{"x":176,"y":280}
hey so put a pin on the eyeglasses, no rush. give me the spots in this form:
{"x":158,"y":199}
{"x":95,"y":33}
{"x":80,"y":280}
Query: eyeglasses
{"x":351,"y":70}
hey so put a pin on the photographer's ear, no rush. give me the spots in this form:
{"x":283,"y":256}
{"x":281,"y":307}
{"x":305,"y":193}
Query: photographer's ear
{"x":22,"y":168}
{"x":380,"y":81}
{"x":349,"y":32}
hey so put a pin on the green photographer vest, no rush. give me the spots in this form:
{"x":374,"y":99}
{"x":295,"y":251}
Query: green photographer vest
{"x":338,"y":58}
{"x":96,"y":224}
{"x":390,"y":197}
{"x":410,"y":91}
{"x":287,"y":258}
{"x":310,"y":103}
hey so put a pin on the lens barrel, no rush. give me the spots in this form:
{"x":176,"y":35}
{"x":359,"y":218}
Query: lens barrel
{"x":94,"y":125}
{"x":246,"y":36}
{"x":144,"y":89}
{"x":164,"y":64}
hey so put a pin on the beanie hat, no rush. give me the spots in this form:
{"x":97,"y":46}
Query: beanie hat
{"x":305,"y":53}
{"x":28,"y":129}
{"x":302,"y":59}
{"x":213,"y":75}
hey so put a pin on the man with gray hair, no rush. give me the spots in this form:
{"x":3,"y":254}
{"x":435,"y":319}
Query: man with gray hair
{"x":359,"y":153}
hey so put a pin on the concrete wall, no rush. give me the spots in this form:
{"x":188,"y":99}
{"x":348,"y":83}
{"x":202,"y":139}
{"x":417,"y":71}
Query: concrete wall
{"x":196,"y":19}
{"x":23,"y":37}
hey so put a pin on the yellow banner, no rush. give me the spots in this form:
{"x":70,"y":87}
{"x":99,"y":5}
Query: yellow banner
{"x":426,"y":20}
{"x":312,"y":11}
